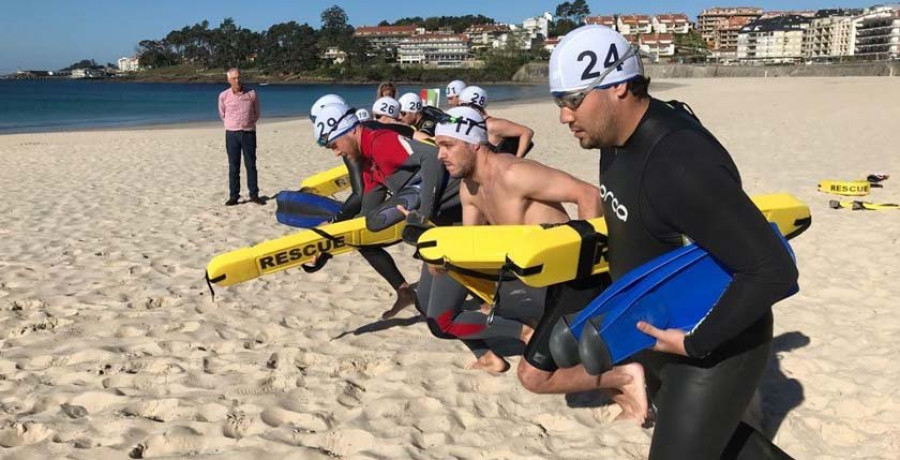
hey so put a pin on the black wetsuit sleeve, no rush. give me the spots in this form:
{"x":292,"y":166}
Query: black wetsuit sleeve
{"x":693,"y":187}
{"x":433,"y":183}
{"x":422,"y":162}
{"x":353,"y":204}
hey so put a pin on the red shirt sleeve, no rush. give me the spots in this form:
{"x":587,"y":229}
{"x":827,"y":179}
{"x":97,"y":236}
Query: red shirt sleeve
{"x":386,"y":153}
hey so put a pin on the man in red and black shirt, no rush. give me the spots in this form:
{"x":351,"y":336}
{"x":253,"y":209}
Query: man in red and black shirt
{"x":392,"y":166}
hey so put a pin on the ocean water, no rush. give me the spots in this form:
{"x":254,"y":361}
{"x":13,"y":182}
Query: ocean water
{"x":60,"y":105}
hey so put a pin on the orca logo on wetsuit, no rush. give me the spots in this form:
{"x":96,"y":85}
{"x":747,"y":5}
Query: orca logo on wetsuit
{"x":619,"y":209}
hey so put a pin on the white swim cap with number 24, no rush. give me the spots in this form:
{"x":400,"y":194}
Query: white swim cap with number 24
{"x":586,"y":53}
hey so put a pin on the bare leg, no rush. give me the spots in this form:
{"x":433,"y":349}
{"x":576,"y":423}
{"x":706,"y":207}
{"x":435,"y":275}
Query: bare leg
{"x":625,"y":383}
{"x":632,"y":397}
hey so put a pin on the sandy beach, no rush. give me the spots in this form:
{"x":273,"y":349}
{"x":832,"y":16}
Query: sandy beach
{"x":111,"y":346}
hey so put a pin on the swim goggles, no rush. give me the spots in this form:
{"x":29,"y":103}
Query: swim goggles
{"x":333,"y":124}
{"x":573,"y":99}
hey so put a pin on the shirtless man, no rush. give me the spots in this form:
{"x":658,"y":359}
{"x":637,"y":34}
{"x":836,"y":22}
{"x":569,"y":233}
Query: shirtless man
{"x":506,"y":190}
{"x":503,"y":135}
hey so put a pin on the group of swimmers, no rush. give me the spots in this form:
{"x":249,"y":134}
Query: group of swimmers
{"x":663,"y":179}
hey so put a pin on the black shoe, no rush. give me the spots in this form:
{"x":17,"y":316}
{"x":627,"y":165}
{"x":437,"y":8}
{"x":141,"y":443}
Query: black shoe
{"x":257,"y":200}
{"x":231,"y":202}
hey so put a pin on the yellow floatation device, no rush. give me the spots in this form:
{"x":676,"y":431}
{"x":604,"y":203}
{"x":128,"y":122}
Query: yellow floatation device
{"x":853,"y":187}
{"x":300,"y":248}
{"x":545,"y":255}
{"x":845,"y":187}
{"x":327,"y":183}
{"x":863,"y":205}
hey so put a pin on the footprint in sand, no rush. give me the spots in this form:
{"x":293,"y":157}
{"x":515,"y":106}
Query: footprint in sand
{"x":14,"y":434}
{"x":160,"y":410}
{"x":344,"y":443}
{"x":178,"y":441}
{"x":270,"y":384}
{"x":352,"y":394}
{"x":238,"y":424}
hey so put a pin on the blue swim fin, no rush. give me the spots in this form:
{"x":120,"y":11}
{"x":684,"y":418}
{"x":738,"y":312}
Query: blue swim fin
{"x":678,"y":297}
{"x":567,"y":332}
{"x":675,"y":290}
{"x":304,"y":210}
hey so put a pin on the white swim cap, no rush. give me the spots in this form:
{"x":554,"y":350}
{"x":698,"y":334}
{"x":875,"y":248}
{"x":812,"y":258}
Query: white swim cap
{"x":410,"y":102}
{"x":473,"y":95}
{"x":463,"y":123}
{"x":363,"y":115}
{"x":386,"y":106}
{"x":585,"y":53}
{"x":455,"y":88}
{"x":332,"y":122}
{"x":322,"y":102}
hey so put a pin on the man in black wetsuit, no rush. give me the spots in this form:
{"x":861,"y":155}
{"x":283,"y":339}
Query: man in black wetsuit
{"x":664,"y":178}
{"x":414,"y":113}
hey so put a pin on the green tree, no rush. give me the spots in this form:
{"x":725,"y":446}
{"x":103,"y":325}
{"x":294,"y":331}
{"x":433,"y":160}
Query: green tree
{"x":83,"y":64}
{"x":289,"y":47}
{"x":155,"y":54}
{"x":569,"y":16}
{"x":336,"y":27}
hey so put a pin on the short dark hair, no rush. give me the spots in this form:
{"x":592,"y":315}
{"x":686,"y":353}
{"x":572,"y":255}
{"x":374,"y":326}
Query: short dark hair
{"x":639,"y":86}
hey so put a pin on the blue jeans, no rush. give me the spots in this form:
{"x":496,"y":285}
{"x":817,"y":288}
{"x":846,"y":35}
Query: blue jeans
{"x":235,"y":142}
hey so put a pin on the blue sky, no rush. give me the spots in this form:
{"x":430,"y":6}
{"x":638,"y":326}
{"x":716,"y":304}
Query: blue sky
{"x":49,"y":34}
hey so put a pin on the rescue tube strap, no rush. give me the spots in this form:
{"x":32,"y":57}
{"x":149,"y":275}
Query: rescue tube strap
{"x":320,"y":262}
{"x":209,"y":283}
{"x":590,"y":242}
{"x":496,"y":305}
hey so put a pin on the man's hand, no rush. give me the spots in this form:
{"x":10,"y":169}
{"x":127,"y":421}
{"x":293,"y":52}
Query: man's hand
{"x":403,"y":210}
{"x":667,"y":341}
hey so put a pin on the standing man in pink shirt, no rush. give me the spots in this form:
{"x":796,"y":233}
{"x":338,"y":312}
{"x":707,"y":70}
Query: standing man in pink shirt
{"x":239,"y":109}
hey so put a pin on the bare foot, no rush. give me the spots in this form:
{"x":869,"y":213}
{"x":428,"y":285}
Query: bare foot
{"x":633,"y":396}
{"x":406,"y":296}
{"x":527,"y":332}
{"x":490,"y":362}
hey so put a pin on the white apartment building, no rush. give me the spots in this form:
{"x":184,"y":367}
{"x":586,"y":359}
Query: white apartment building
{"x":487,"y":36}
{"x":128,"y":64}
{"x":387,"y":38}
{"x":674,"y":23}
{"x":538,"y":25}
{"x":777,"y":40}
{"x":630,"y":24}
{"x":434,"y":50}
{"x":877,"y":33}
{"x":829,"y":36}
{"x":657,"y":45}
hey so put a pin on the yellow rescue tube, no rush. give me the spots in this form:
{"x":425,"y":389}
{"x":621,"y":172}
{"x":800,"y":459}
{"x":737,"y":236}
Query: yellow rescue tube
{"x":546,"y":255}
{"x":845,"y":187}
{"x":327,"y":183}
{"x":290,"y":251}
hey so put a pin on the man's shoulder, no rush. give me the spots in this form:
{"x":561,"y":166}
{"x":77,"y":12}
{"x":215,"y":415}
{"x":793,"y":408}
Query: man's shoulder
{"x":224,"y":92}
{"x":513,"y":172}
